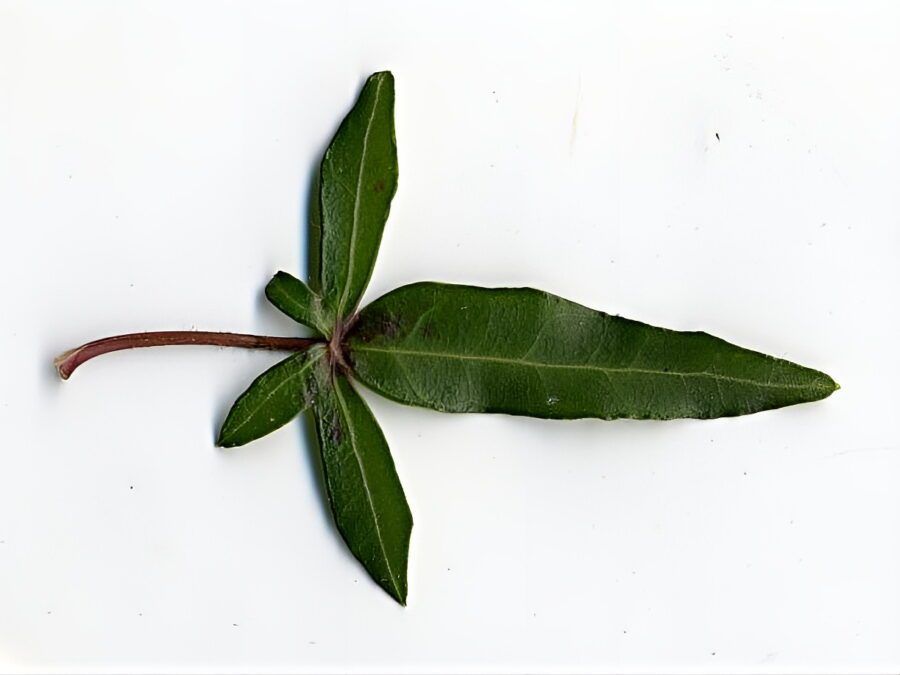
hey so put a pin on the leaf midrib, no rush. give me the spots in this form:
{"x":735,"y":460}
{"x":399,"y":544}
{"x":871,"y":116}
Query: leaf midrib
{"x":356,"y":199}
{"x":362,"y":472}
{"x":600,"y":369}
{"x":303,"y":368}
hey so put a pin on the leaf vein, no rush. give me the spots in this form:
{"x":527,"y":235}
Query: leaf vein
{"x":356,"y":202}
{"x":306,"y":366}
{"x":593,"y":368}
{"x":366,"y":490}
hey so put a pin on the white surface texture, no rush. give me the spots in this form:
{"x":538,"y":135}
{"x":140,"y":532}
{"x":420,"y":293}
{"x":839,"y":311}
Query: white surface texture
{"x":155,"y":159}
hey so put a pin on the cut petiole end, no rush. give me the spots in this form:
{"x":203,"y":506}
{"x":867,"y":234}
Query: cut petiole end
{"x":66,"y":362}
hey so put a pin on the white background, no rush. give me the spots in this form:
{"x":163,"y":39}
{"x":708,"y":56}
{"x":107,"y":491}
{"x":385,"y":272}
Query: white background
{"x":154,"y":169}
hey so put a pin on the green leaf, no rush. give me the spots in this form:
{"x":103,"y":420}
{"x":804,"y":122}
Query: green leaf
{"x":273,"y":399}
{"x":525,"y":352}
{"x":297,"y":300}
{"x":314,"y":242}
{"x":357,"y":182}
{"x":365,"y":494}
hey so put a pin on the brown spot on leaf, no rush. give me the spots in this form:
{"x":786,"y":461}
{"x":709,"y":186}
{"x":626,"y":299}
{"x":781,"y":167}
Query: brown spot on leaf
{"x":310,"y":393}
{"x":379,"y":185}
{"x":389,"y":327}
{"x":337,"y":433}
{"x":373,"y":327}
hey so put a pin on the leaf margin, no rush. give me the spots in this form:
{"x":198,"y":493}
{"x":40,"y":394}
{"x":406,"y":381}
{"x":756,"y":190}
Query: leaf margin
{"x":321,"y":231}
{"x":300,"y":364}
{"x":396,"y":583}
{"x":298,"y":301}
{"x":362,"y":333}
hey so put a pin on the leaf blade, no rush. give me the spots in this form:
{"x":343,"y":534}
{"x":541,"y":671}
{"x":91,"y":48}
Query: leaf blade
{"x":272,"y":400}
{"x":298,"y":301}
{"x":526,"y":352}
{"x":364,"y":491}
{"x":358,"y":179}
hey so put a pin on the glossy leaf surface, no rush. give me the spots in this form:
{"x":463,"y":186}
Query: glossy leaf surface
{"x":273,"y":399}
{"x":294,"y":298}
{"x":358,"y":179}
{"x":365,"y":494}
{"x":525,"y":352}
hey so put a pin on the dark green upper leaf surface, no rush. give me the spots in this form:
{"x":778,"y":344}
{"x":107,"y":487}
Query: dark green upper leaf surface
{"x":273,"y":399}
{"x":297,"y":300}
{"x":526,"y":352}
{"x":314,"y":242}
{"x":365,"y":494}
{"x":357,"y":182}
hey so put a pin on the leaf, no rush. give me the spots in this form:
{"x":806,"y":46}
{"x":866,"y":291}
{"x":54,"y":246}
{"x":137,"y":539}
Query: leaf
{"x":273,"y":399}
{"x":365,"y":494}
{"x":297,"y":300}
{"x":357,"y":182}
{"x":525,"y":352}
{"x":314,"y":242}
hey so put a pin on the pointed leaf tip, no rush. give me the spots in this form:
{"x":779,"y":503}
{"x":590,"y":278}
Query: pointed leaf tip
{"x":272,"y":400}
{"x":364,"y":491}
{"x":357,"y":181}
{"x":522,"y":351}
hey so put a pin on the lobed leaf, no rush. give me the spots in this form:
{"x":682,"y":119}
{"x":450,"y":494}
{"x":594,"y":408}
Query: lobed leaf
{"x":364,"y":492}
{"x":526,"y":352}
{"x":358,"y":179}
{"x":273,"y":399}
